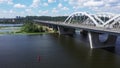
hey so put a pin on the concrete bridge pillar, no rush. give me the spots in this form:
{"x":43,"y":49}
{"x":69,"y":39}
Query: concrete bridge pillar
{"x":50,"y":26}
{"x":111,"y":40}
{"x":95,"y":42}
{"x":65,"y":30}
{"x":55,"y":27}
{"x":84,"y":32}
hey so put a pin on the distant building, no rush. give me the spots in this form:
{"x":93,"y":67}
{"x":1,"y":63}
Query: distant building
{"x":18,"y":17}
{"x":7,"y":19}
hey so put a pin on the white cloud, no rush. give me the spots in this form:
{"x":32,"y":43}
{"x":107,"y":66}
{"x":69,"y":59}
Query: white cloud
{"x":82,"y":3}
{"x":51,"y":1}
{"x":61,"y":8}
{"x":77,"y":2}
{"x":112,"y":1}
{"x":6,"y":1}
{"x":11,"y":11}
{"x":28,"y":10}
{"x":19,"y":6}
{"x":4,"y":11}
{"x":93,"y":3}
{"x":60,"y":5}
{"x":96,"y":5}
{"x":107,"y":5}
{"x":118,"y":4}
{"x":111,"y":9}
{"x":65,"y":0}
{"x":1,"y":1}
{"x":35,"y":3}
{"x":45,"y":4}
{"x":10,"y":2}
{"x":45,"y":12}
{"x":8,"y":13}
{"x":65,"y":8}
{"x":54,"y":10}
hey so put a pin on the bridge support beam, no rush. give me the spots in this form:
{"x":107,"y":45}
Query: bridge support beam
{"x":95,"y":42}
{"x":65,"y":30}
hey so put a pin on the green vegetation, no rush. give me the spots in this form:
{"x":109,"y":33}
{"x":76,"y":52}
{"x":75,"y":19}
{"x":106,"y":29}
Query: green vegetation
{"x":30,"y":27}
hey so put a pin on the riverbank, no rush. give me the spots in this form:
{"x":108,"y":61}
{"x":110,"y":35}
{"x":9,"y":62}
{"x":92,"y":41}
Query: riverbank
{"x":2,"y":34}
{"x":25,"y":33}
{"x":28,"y":28}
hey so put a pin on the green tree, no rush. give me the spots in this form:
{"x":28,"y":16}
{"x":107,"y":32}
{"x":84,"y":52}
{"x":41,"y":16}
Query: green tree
{"x":30,"y":27}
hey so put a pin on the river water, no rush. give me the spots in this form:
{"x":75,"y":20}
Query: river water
{"x":8,"y":28}
{"x":55,"y":51}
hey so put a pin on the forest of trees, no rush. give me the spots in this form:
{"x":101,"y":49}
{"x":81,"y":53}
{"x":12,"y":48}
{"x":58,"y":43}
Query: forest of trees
{"x":30,"y":18}
{"x":30,"y":27}
{"x":46,"y":18}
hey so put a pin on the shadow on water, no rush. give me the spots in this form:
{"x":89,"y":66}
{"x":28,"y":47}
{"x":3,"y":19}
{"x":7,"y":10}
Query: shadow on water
{"x":71,"y":41}
{"x":110,"y":49}
{"x":115,"y":49}
{"x":90,"y":58}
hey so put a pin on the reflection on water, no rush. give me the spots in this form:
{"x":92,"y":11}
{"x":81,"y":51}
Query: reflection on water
{"x":10,"y":25}
{"x":96,"y":58}
{"x":8,"y":28}
{"x":53,"y":51}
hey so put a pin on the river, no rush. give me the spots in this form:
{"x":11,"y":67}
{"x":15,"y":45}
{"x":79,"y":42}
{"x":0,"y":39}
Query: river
{"x":55,"y":51}
{"x":9,"y":28}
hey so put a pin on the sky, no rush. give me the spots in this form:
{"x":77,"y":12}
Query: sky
{"x":13,"y":8}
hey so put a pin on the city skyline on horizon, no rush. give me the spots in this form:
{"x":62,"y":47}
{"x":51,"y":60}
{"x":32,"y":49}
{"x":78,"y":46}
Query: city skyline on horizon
{"x":13,"y":8}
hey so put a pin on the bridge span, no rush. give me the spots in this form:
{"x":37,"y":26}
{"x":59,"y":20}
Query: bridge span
{"x":92,"y":25}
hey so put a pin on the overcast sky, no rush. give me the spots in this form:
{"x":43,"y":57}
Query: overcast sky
{"x":13,"y":8}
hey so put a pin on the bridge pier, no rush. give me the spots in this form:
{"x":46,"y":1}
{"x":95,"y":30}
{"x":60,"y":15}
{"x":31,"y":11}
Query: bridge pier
{"x":55,"y":27}
{"x":65,"y":30}
{"x":95,"y":42}
{"x":83,"y":32}
{"x":50,"y":26}
{"x":111,"y":40}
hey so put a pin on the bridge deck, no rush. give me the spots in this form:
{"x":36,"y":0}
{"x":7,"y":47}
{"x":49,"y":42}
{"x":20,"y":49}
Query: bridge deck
{"x":112,"y":31}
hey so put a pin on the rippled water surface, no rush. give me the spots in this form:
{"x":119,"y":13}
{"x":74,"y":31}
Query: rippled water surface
{"x":54,"y":51}
{"x":8,"y":28}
